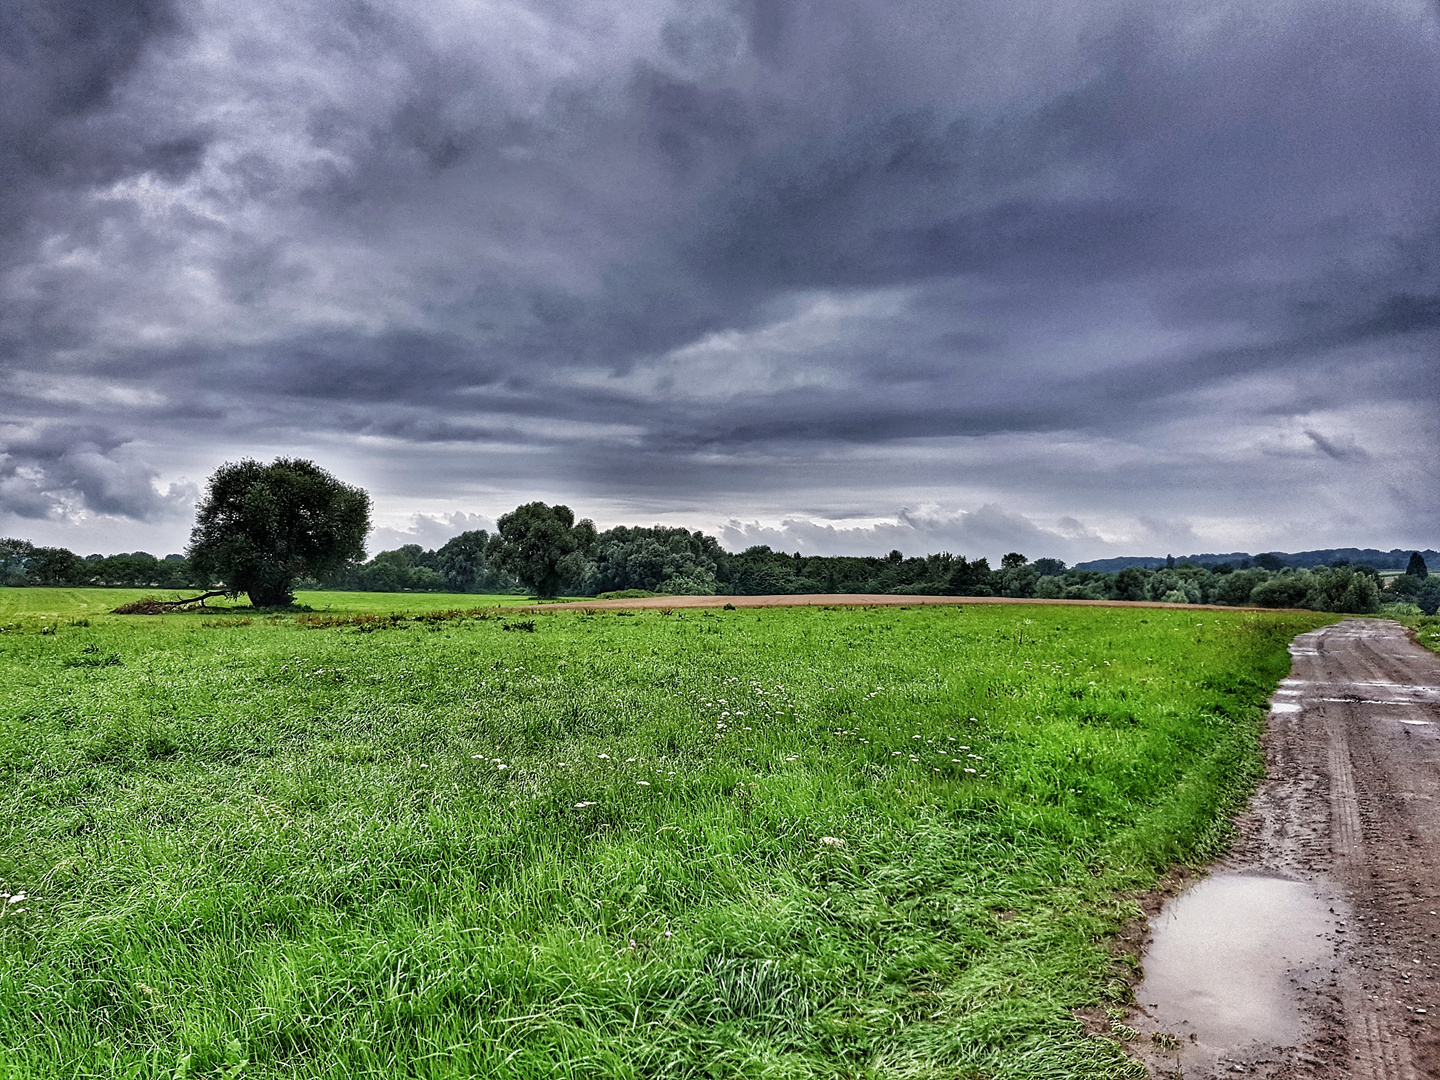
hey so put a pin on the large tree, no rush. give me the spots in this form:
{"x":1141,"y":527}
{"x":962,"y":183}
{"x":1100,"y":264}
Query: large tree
{"x":263,"y":527}
{"x":1416,"y":566}
{"x":467,"y":566}
{"x":542,"y":546}
{"x":661,"y":558}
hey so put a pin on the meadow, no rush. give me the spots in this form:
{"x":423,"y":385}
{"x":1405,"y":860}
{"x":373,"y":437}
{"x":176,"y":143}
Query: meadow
{"x":799,"y":842}
{"x":68,"y":604}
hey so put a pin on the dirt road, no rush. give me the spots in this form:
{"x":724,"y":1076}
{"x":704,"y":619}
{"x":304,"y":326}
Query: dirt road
{"x":1335,"y":884}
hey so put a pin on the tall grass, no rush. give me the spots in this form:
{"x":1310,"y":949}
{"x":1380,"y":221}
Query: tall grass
{"x":784,"y":843}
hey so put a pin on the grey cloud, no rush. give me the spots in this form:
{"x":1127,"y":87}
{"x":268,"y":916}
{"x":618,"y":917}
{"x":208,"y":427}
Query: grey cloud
{"x":712,"y":253}
{"x":60,"y":63}
{"x":989,"y":531}
{"x":1169,"y":532}
{"x":60,"y":471}
{"x":428,"y":530}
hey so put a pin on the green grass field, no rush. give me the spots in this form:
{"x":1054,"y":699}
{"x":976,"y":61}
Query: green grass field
{"x":20,"y":605}
{"x":780,"y":843}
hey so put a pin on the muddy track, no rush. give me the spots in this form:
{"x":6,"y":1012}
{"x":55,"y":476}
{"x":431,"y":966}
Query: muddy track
{"x":1351,"y":809}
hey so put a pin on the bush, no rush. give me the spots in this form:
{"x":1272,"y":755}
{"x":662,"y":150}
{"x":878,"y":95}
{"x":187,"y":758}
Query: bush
{"x":1237,"y":588}
{"x":1283,"y":591}
{"x":1051,"y":587}
{"x":1343,"y":589}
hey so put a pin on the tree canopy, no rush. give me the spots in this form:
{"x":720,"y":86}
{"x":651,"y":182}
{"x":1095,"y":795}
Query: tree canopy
{"x":658,"y":558}
{"x":263,"y":527}
{"x":542,"y":546}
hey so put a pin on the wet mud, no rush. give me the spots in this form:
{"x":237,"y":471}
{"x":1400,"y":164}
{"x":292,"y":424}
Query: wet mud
{"x":1312,"y":950}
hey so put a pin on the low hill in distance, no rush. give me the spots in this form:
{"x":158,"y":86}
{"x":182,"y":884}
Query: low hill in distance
{"x":1394,"y":559}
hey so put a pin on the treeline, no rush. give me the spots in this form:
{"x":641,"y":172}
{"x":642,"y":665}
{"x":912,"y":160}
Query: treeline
{"x":674,"y":561}
{"x":24,"y":563}
{"x":461,"y":565}
{"x":1394,"y":559}
{"x":1350,"y":589}
{"x":458,"y":566}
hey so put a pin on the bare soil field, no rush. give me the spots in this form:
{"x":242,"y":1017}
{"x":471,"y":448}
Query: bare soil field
{"x":1312,"y":950}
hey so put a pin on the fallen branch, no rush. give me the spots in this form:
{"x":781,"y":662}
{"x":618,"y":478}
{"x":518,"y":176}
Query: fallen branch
{"x":153,"y":605}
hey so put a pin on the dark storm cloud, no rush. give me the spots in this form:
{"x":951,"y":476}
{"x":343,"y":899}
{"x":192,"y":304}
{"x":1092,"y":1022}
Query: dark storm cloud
{"x":718,"y":252}
{"x":60,"y":61}
{"x":1340,"y":451}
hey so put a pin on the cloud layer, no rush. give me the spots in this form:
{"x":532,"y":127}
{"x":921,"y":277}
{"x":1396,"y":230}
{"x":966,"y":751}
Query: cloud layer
{"x":1078,"y":278}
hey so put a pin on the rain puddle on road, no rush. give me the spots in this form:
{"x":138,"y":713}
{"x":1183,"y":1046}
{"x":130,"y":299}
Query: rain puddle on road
{"x":1224,"y":969}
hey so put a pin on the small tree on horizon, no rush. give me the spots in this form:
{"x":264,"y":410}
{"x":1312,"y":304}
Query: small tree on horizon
{"x":263,"y":527}
{"x":1416,"y":566}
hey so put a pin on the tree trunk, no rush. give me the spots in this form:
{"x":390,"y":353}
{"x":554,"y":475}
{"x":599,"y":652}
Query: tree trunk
{"x":271,"y":597}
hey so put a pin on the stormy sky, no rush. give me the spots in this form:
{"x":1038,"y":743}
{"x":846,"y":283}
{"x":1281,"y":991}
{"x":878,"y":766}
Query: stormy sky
{"x":836,"y":275}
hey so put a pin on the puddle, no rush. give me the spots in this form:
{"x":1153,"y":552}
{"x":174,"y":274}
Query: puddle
{"x":1221,"y":971}
{"x":1284,"y":706}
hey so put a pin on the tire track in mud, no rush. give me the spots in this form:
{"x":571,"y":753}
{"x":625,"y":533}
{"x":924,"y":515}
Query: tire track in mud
{"x":1350,"y":808}
{"x":1377,"y":1052}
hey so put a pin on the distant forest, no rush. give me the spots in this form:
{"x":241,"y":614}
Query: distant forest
{"x":673,"y":561}
{"x":1394,"y":559}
